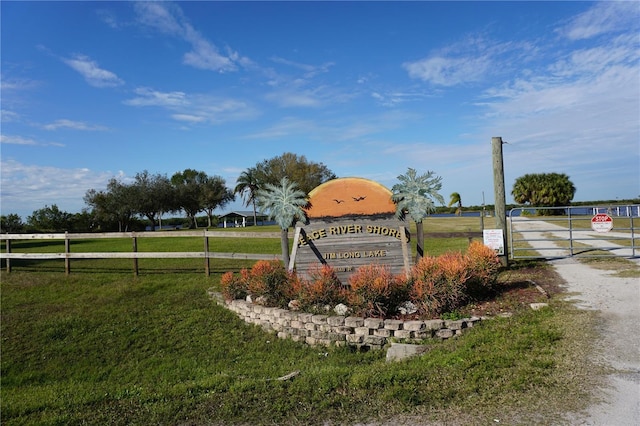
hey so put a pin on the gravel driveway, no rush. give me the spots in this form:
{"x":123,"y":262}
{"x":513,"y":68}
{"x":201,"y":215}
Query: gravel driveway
{"x":618,"y":302}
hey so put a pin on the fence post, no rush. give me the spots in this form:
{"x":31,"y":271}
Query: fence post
{"x":67,"y":250}
{"x":498,"y":187}
{"x":207,"y":271}
{"x":135,"y":250}
{"x":633,"y":234}
{"x":570,"y":219}
{"x":8,"y":252}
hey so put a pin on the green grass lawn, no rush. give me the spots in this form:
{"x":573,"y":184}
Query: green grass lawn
{"x":113,"y":349}
{"x":103,"y":347}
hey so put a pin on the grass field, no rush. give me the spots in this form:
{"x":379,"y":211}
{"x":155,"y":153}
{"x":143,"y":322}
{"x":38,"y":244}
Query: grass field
{"x":109,"y":348}
{"x":433,"y":246}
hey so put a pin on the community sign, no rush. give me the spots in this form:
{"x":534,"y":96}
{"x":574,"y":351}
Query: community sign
{"x":351,"y":223}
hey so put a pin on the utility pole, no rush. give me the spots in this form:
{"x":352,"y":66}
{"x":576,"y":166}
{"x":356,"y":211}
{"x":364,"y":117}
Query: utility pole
{"x":498,"y":186}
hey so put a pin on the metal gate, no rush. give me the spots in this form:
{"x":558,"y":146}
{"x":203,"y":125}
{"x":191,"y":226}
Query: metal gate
{"x":561,"y":232}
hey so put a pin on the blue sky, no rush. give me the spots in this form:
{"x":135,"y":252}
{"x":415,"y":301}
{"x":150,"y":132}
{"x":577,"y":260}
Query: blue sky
{"x":95,"y":90}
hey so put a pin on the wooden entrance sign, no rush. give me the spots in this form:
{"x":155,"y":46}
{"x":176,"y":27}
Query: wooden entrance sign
{"x":351,"y":223}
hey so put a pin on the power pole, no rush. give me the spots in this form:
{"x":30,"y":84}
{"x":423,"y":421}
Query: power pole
{"x":498,"y":186}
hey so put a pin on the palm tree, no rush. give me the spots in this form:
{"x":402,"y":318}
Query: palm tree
{"x":456,"y":199}
{"x":247,"y":184}
{"x":283,"y":203}
{"x":415,"y":195}
{"x":544,"y":190}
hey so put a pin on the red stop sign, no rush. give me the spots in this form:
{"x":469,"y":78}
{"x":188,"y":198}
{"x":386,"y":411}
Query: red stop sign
{"x":601,"y":223}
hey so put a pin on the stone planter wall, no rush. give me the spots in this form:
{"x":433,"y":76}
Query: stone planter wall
{"x":368,"y":333}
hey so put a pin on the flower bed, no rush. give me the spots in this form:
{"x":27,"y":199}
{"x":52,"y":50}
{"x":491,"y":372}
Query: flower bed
{"x":435,"y":286}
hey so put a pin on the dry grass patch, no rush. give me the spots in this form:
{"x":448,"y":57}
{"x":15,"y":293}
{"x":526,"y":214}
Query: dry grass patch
{"x":621,"y":267}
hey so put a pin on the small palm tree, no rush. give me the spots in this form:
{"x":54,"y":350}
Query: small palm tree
{"x":456,"y":199}
{"x":247,"y":184}
{"x":283,"y":203}
{"x":415,"y":195}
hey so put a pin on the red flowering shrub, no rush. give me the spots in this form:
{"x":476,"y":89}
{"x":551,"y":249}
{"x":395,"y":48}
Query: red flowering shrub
{"x":270,"y":279}
{"x":374,"y":291}
{"x":438,"y":284}
{"x":322,"y":288}
{"x":293,"y":287}
{"x":232,"y":286}
{"x":484,"y":265}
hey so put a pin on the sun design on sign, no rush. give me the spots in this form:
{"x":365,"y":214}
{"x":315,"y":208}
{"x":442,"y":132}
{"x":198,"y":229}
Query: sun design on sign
{"x":350,"y":196}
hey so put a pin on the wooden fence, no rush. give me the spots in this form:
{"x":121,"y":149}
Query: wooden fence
{"x":205,"y":254}
{"x":68,"y":255}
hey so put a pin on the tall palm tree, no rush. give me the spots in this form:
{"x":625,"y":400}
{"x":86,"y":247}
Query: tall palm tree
{"x":415,"y":195}
{"x":283,"y":203}
{"x":248,"y":184}
{"x":456,"y":199}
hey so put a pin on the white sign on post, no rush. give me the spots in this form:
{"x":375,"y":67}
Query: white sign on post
{"x":493,"y":238}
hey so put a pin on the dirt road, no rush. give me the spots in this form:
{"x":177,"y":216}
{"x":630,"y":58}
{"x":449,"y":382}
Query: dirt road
{"x":618,"y":302}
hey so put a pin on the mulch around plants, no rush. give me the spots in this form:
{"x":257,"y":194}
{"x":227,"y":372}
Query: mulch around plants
{"x":517,"y":288}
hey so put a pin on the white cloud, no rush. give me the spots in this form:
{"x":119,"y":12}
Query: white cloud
{"x":604,"y":17}
{"x":168,"y":19}
{"x":293,"y":98}
{"x":26,"y":188}
{"x":395,"y":98}
{"x":297,"y":94}
{"x":109,"y":18}
{"x":577,"y":115}
{"x":92,"y":73}
{"x":70,"y":124}
{"x":194,"y":108}
{"x":472,"y":59}
{"x":159,"y":17}
{"x":310,"y":70}
{"x":188,"y":118}
{"x":150,"y":97}
{"x":449,"y":71}
{"x":8,"y":83}
{"x":19,"y":140}
{"x":207,"y":57}
{"x":7,"y":116}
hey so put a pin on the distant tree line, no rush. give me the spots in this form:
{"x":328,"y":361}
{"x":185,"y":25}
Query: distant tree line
{"x":132,"y":206}
{"x":152,"y":195}
{"x":143,"y":202}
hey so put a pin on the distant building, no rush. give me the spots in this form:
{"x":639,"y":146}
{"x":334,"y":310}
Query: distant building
{"x":241,"y":219}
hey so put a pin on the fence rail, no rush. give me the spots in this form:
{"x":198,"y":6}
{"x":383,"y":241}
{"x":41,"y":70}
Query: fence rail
{"x":67,"y":255}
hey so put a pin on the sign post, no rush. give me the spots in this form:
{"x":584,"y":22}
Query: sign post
{"x":602,"y":222}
